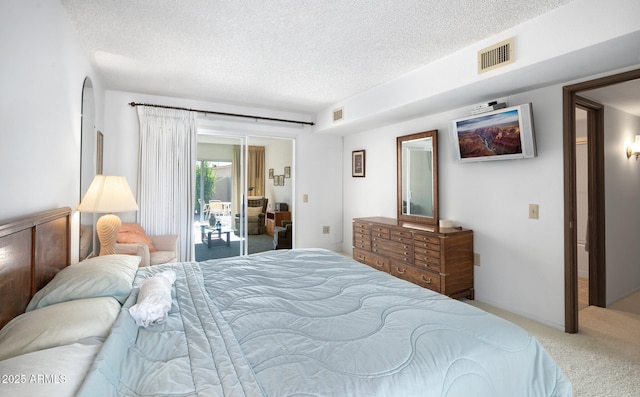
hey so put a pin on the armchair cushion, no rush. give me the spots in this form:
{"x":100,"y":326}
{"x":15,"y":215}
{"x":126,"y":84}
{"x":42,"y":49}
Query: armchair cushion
{"x":168,"y":242}
{"x":256,"y":215}
{"x":254,"y":211}
{"x":134,"y":233}
{"x":165,"y":248}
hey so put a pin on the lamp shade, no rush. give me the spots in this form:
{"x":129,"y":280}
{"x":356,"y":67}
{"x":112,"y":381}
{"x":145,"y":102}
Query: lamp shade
{"x":108,"y":194}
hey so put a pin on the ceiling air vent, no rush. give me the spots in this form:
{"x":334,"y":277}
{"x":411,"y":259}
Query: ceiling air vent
{"x":495,"y":56}
{"x":338,"y":114}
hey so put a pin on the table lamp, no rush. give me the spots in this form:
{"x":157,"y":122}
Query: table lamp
{"x":108,"y":194}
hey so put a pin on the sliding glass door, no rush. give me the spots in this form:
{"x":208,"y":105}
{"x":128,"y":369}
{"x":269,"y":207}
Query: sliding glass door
{"x":235,"y":173}
{"x":220,"y":181}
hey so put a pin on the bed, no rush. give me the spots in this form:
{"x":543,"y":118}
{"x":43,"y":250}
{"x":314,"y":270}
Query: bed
{"x":305,"y":322}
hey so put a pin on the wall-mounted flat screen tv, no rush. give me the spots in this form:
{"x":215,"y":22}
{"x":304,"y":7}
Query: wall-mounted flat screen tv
{"x":501,"y":134}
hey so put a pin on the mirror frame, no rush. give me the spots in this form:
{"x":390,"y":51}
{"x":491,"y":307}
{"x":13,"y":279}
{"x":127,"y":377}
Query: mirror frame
{"x":87,"y":158}
{"x":433,"y":134}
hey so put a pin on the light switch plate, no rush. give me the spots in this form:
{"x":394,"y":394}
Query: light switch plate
{"x":534,"y":211}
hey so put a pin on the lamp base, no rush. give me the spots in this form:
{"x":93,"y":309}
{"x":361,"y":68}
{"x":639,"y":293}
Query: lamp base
{"x":107,"y":228}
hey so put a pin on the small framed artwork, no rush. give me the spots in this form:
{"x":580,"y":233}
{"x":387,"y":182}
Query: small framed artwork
{"x":281,"y":179}
{"x":275,"y":180}
{"x":287,"y":172}
{"x":270,"y":173}
{"x":357,"y":163}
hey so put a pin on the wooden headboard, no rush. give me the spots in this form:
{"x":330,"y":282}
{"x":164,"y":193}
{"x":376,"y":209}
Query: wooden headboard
{"x":33,"y":249}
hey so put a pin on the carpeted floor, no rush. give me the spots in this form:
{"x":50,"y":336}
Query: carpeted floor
{"x":630,"y":304}
{"x":603,"y":359}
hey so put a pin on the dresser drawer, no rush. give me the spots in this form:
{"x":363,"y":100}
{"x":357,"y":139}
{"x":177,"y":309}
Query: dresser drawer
{"x":381,"y":232}
{"x":373,"y":260}
{"x":426,"y":258}
{"x":425,"y":238}
{"x":423,"y":278}
{"x":360,"y":255}
{"x":362,"y":241}
{"x":401,"y":236}
{"x":362,"y":244}
{"x":400,"y":251}
{"x":378,"y":262}
{"x":362,"y":228}
{"x":427,"y":245}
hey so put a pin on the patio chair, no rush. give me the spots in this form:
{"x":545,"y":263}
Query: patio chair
{"x":205,"y":209}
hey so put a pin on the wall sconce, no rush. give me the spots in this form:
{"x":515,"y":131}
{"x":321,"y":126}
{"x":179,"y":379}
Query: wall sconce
{"x":634,"y":148}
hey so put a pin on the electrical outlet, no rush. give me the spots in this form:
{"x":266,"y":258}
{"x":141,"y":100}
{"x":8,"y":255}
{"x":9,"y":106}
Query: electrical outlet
{"x":476,"y":259}
{"x":533,"y":211}
{"x":325,"y":229}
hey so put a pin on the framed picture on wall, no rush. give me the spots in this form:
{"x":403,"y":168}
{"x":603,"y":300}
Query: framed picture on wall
{"x":270,"y":173}
{"x":357,"y":163}
{"x":287,"y":172}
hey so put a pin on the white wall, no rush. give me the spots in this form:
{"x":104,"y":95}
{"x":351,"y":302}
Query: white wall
{"x":522,"y":260}
{"x":622,"y":195}
{"x":316,"y":163}
{"x":41,"y":74}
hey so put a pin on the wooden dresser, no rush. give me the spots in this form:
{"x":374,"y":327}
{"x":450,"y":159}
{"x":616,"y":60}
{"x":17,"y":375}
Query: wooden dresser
{"x":438,"y":259}
{"x":275,"y":218}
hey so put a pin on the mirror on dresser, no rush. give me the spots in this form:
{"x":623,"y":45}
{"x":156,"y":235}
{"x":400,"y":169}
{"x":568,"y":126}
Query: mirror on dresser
{"x":417,"y":156}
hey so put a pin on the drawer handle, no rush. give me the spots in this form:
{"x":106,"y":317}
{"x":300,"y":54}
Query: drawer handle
{"x":426,"y":280}
{"x":379,"y":234}
{"x":379,"y":264}
{"x":361,"y":257}
{"x":400,"y":271}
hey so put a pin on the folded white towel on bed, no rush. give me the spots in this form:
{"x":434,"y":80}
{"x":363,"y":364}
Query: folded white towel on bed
{"x":154,"y":299}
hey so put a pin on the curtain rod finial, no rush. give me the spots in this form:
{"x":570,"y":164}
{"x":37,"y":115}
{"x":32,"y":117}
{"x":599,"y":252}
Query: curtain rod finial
{"x":132,"y":104}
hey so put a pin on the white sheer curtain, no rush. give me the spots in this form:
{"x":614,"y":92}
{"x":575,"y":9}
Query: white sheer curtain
{"x":166,"y":174}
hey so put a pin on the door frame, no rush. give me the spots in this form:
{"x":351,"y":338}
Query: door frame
{"x":570,"y":100}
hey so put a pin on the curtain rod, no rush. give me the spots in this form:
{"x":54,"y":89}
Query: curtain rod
{"x":133,"y":104}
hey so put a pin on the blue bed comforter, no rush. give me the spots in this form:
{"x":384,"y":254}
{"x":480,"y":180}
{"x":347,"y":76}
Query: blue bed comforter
{"x":314,"y":323}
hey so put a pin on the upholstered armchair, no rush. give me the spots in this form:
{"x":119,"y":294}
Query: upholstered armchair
{"x":154,"y":250}
{"x":283,"y":235}
{"x":256,"y":213}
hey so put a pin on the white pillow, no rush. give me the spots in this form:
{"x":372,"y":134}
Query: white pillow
{"x":58,"y":371}
{"x":254,"y":211}
{"x":109,"y":275}
{"x":58,"y":325}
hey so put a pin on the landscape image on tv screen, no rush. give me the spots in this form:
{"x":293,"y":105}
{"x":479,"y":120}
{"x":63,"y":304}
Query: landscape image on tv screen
{"x":492,"y":135}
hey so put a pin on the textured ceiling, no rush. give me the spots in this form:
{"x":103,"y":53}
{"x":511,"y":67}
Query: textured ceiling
{"x":295,"y":55}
